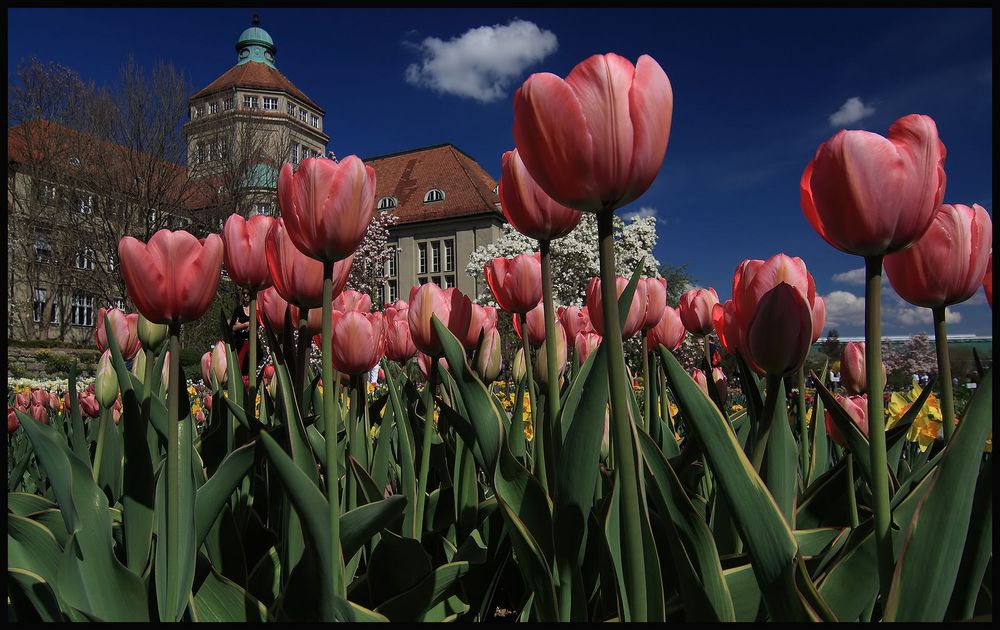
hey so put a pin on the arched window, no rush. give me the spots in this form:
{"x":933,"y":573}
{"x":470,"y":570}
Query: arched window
{"x":496,"y":189}
{"x":387,"y":203}
{"x":434,"y":194}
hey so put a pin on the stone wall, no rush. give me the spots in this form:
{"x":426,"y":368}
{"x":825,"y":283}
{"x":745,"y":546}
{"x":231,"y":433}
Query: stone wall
{"x":49,"y":362}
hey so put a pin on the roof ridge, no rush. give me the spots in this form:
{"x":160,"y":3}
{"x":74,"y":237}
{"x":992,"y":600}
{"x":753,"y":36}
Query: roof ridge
{"x":398,"y":153}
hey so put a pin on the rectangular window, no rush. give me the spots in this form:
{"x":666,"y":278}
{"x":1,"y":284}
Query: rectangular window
{"x":38,"y":304}
{"x":213,"y":108}
{"x":43,"y":249}
{"x":295,"y":153}
{"x":422,"y":258}
{"x":449,"y":255}
{"x":449,"y":281}
{"x":393,"y":292}
{"x":118,"y":303}
{"x":291,"y":109}
{"x":315,"y":121}
{"x":200,"y":154}
{"x":390,"y":266}
{"x":303,"y":114}
{"x":227,"y":103}
{"x":85,"y":259}
{"x":271,"y":103}
{"x":47,"y":193}
{"x":86,"y":204}
{"x":222,"y":148}
{"x":54,"y":311}
{"x":263,"y":209}
{"x":435,"y":257}
{"x":83,"y":310}
{"x":249,"y":102}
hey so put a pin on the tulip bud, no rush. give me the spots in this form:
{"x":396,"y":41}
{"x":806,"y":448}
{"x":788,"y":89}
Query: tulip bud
{"x":780,"y":331}
{"x":542,"y":362}
{"x":12,"y":421}
{"x":517,"y":371}
{"x":106,"y":382}
{"x":220,"y":365}
{"x":719,"y":377}
{"x":489,"y":361}
{"x":139,"y":365}
{"x":116,"y":410}
{"x":152,"y":336}
{"x":584,"y":344}
{"x":605,"y":438}
{"x":38,"y":413}
{"x":165,"y":373}
{"x":700,"y":380}
{"x":853,"y":375}
{"x":857,"y":408}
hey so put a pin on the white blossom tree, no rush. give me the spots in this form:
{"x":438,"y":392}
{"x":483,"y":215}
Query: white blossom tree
{"x":368,"y":270}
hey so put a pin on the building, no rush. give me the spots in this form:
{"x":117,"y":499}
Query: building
{"x":241,"y":128}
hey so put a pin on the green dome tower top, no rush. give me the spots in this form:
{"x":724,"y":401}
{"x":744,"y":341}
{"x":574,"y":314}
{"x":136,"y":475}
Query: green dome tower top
{"x":255,"y":45}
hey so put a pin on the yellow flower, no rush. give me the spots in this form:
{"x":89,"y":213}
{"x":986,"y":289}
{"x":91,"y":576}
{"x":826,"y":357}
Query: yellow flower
{"x":256,"y":404}
{"x":191,"y":390}
{"x":371,"y":387}
{"x":373,"y":431}
{"x":529,"y":430}
{"x":673,"y":410}
{"x":736,"y":408}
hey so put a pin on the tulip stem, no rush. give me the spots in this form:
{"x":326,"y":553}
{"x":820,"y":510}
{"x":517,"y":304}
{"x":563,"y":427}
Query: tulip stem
{"x":101,"y":437}
{"x":944,"y":372}
{"x":336,"y":566}
{"x":425,"y":450}
{"x":173,"y":467}
{"x":633,"y":554}
{"x":538,"y":436}
{"x":803,"y":429}
{"x":252,"y":366}
{"x":764,"y":424}
{"x":647,"y":390}
{"x":876,"y":420}
{"x":302,"y":357}
{"x":549,"y":425}
{"x":851,"y":491}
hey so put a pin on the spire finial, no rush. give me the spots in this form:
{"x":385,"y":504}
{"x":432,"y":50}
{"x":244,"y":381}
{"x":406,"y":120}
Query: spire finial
{"x":256,"y":20}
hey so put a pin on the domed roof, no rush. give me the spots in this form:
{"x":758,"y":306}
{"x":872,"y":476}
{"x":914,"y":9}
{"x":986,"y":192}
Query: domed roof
{"x":255,"y":35}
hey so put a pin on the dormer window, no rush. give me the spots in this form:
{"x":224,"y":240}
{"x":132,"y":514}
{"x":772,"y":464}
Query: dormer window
{"x":387,"y":203}
{"x":74,"y":161}
{"x":271,"y":103}
{"x":434,"y":194}
{"x":496,"y":189}
{"x":213,"y":108}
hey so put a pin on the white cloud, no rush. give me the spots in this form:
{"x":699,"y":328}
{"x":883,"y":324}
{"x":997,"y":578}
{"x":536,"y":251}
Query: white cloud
{"x":856,"y":277}
{"x":847,"y":309}
{"x":850,"y":112}
{"x":481,"y":63}
{"x":844,"y":309}
{"x":643,"y":212}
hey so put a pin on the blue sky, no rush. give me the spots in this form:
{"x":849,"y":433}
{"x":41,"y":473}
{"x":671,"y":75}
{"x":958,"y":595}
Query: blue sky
{"x":755,"y":91}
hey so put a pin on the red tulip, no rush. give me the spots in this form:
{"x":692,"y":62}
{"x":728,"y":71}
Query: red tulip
{"x":636,"y":312}
{"x":853,"y":376}
{"x":779,"y":333}
{"x":207,"y":399}
{"x":535,"y":319}
{"x":39,"y":413}
{"x":584,"y":344}
{"x":868,"y":195}
{"x":116,"y":410}
{"x":268,"y":374}
{"x":297,"y":277}
{"x":199,"y":417}
{"x":271,"y":308}
{"x":451,"y":306}
{"x":483,"y":319}
{"x":358,"y":340}
{"x":669,"y":331}
{"x":727,"y":326}
{"x":399,"y":346}
{"x":351,"y":300}
{"x":39,"y":397}
{"x":527,"y":207}
{"x":53,"y":401}
{"x":596,"y":140}
{"x":988,"y":282}
{"x":244,"y":254}
{"x":88,"y":404}
{"x":327,"y":205}
{"x":656,"y":300}
{"x":22,"y":400}
{"x":696,"y":310}
{"x":126,"y":329}
{"x":12,"y":421}
{"x":857,"y":408}
{"x":947,"y":264}
{"x":574,"y":320}
{"x":516,"y":282}
{"x":174,"y":277}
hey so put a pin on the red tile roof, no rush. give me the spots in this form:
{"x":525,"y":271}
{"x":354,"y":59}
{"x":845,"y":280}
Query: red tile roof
{"x":407,"y":176}
{"x":256,"y":75}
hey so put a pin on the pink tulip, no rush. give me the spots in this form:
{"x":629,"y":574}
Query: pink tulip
{"x":39,"y":397}
{"x":268,"y":374}
{"x":125,"y":327}
{"x":700,"y":380}
{"x":584,"y":344}
{"x":199,"y":417}
{"x":39,"y":413}
{"x":669,"y":331}
{"x":853,"y":376}
{"x":656,"y":300}
{"x":727,"y":326}
{"x":483,"y":320}
{"x":207,"y":400}
{"x":399,"y":346}
{"x":22,"y":400}
{"x":451,"y":306}
{"x":424,"y":363}
{"x":351,"y":300}
{"x":574,"y":320}
{"x":947,"y":264}
{"x":53,"y":401}
{"x":516,"y":283}
{"x":327,"y":205}
{"x":271,"y":308}
{"x":868,"y":195}
{"x":12,"y":421}
{"x":88,"y":404}
{"x":857,"y":408}
{"x":174,"y":277}
{"x":297,"y":277}
{"x":219,"y":364}
{"x":595,"y":141}
{"x":696,"y":310}
{"x":489,"y":360}
{"x":527,"y":207}
{"x":359,"y":340}
{"x":779,"y":333}
{"x":988,"y":282}
{"x":244,"y":254}
{"x":116,"y":410}
{"x":636,"y":313}
{"x":206,"y":367}
{"x":535,"y":319}
{"x":818,"y":317}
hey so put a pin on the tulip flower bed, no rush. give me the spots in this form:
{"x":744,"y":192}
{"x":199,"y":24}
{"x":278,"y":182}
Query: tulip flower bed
{"x":575,"y":491}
